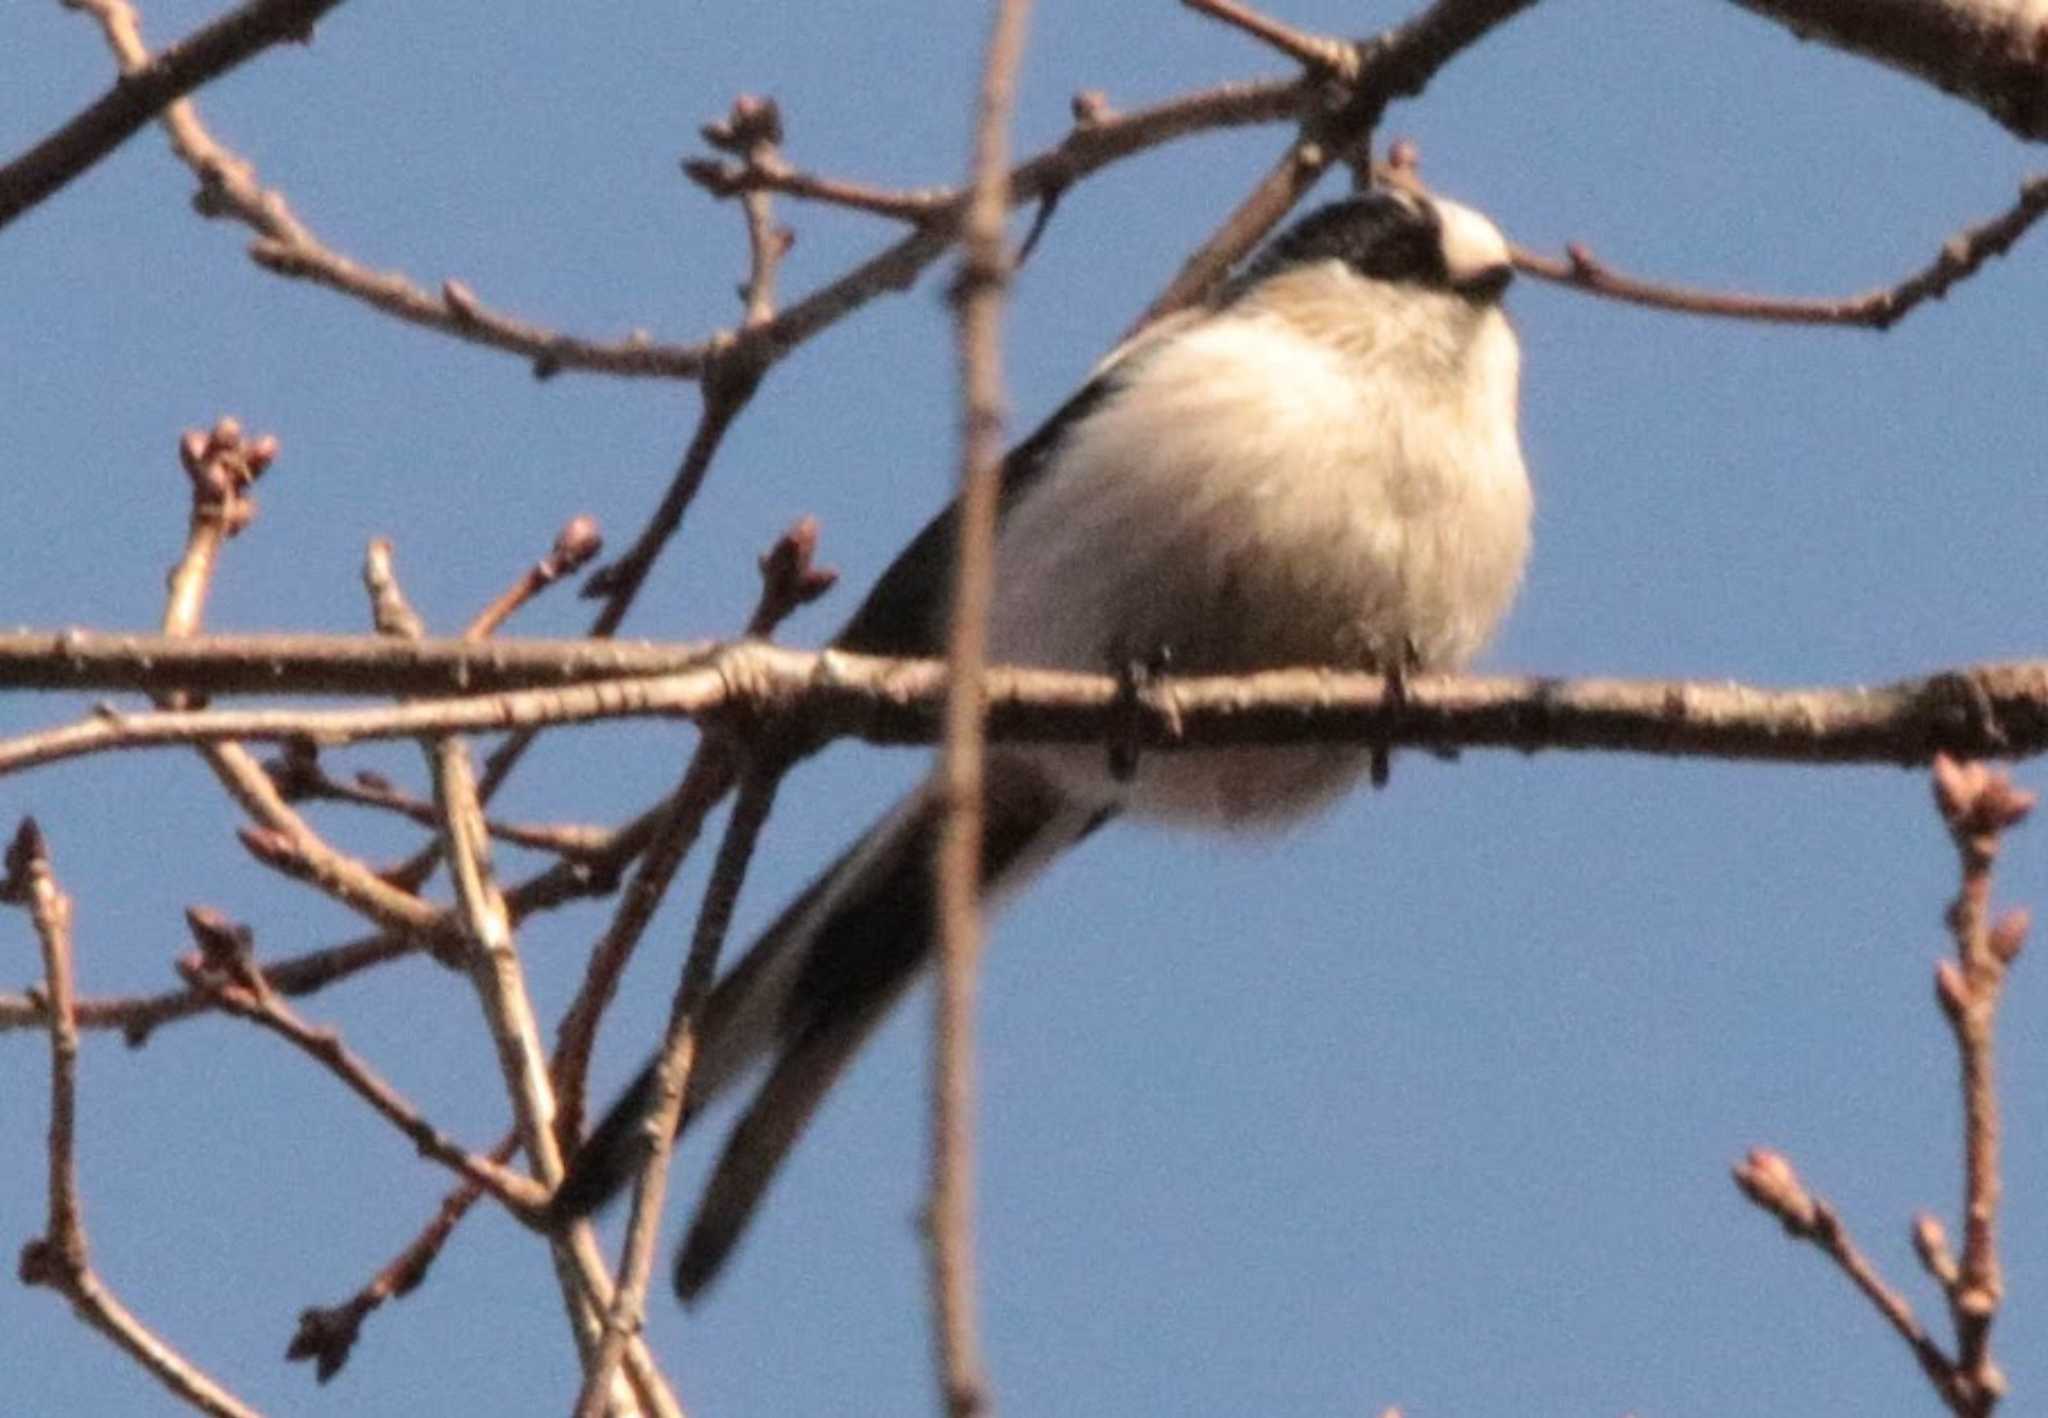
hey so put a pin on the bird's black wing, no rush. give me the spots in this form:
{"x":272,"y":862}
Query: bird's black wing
{"x":904,"y":614}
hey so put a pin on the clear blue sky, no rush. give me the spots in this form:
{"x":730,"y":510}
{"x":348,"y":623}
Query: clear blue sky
{"x":1428,"y":1103}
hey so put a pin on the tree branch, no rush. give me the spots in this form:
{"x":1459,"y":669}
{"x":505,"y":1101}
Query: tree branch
{"x":147,"y":87}
{"x":60,"y":1257}
{"x":1992,"y":53}
{"x":957,"y":776}
{"x":1993,"y":710}
{"x":1960,"y":257}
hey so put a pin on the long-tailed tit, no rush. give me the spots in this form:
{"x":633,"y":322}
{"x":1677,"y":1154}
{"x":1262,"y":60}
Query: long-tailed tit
{"x":1319,"y":466}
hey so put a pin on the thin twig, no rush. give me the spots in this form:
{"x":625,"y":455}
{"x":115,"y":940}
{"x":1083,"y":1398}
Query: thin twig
{"x":501,"y":987}
{"x":300,"y":776}
{"x":326,"y":1334}
{"x":1339,"y":128}
{"x":222,"y":465}
{"x":225,"y":968}
{"x":574,"y":546}
{"x":492,"y":959}
{"x":1978,"y":805}
{"x":1321,"y":55}
{"x":705,"y":782}
{"x":60,"y":1257}
{"x":146,"y":87}
{"x":957,"y":776}
{"x":672,"y":1071}
{"x":737,"y":365}
{"x":1960,"y":257}
{"x":138,"y":1017}
{"x":1768,"y":1180}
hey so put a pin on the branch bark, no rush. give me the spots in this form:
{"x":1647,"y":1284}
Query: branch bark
{"x":1993,"y":710}
{"x":1992,"y":53}
{"x":146,"y":88}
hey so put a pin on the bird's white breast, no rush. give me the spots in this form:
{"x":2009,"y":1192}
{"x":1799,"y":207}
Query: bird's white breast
{"x":1331,"y":476}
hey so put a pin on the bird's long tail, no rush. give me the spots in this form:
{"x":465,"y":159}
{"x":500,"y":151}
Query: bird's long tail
{"x":810,"y":992}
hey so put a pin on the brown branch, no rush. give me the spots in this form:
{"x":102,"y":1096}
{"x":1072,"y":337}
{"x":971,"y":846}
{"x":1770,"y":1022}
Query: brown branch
{"x":327,"y":1334}
{"x":572,"y":550}
{"x":492,"y":960}
{"x":229,"y":188}
{"x":1991,"y":53}
{"x":225,"y":969}
{"x":1396,"y":64}
{"x":1327,"y":58}
{"x":60,"y":1257}
{"x":138,"y":1017}
{"x":957,"y":776}
{"x":1098,"y":138}
{"x":146,"y":87}
{"x":222,"y":466}
{"x":363,"y":665}
{"x":301,"y":777}
{"x":287,"y":246}
{"x":508,"y":1011}
{"x":775,"y":174}
{"x":789,"y":580}
{"x":1992,"y":710}
{"x":704,"y":784}
{"x":574,"y":546}
{"x":1768,"y":1180}
{"x":672,"y":1070}
{"x":738,"y":362}
{"x":1978,"y":805}
{"x":1960,"y":257}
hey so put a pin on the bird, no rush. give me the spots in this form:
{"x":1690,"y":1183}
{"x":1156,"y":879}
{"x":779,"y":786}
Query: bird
{"x":1319,"y":464}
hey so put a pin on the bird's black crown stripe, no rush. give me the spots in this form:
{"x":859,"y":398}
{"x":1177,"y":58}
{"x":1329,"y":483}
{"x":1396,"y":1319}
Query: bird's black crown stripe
{"x":1383,"y":234}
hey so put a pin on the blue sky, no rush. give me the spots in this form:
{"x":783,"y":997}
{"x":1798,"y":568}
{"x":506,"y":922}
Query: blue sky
{"x":1430,"y":1102}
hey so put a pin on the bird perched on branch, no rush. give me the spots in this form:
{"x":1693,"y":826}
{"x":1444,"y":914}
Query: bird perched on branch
{"x":1317,"y":466}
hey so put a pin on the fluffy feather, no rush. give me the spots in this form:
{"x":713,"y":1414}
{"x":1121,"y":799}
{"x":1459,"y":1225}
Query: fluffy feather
{"x":1320,"y":467}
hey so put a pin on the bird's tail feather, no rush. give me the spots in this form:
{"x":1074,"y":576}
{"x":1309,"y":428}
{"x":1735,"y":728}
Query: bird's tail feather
{"x":812,"y":989}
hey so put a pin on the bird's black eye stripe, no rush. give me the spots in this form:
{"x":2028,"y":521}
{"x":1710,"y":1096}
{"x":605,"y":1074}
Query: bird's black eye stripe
{"x":1487,"y":286}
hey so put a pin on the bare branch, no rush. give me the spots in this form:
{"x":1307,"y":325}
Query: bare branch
{"x":225,"y":969}
{"x":74,"y":660}
{"x":1322,"y":56}
{"x":957,"y":777}
{"x":1768,"y":1180}
{"x":1978,"y":805}
{"x":1993,"y":53}
{"x":59,"y":1258}
{"x":1996,"y":710}
{"x":146,"y":87}
{"x":574,"y":547}
{"x":1960,"y":257}
{"x":788,"y":580}
{"x":672,"y":1070}
{"x":138,"y":1017}
{"x":222,"y":466}
{"x":327,"y":1334}
{"x":300,"y":777}
{"x":738,"y":363}
{"x":1396,"y":64}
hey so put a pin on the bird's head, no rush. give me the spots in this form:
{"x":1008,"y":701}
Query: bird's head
{"x":1394,"y":235}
